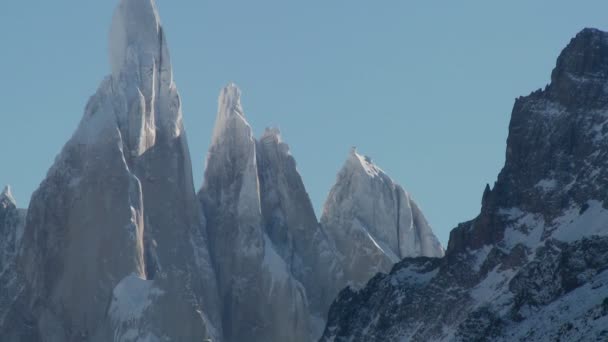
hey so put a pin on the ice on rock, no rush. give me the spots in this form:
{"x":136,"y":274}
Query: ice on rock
{"x":119,"y":200}
{"x":131,"y":297}
{"x":373,"y":221}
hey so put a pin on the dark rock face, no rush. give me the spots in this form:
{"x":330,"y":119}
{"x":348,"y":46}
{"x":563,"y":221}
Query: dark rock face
{"x":532,"y":266}
{"x":556,"y":150}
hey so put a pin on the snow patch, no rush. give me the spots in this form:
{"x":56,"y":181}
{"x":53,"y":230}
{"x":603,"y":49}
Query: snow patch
{"x":492,"y":290}
{"x":522,"y":228}
{"x":577,"y":223}
{"x":366,"y":163}
{"x":546,"y":184}
{"x":131,"y":297}
{"x":479,"y":257}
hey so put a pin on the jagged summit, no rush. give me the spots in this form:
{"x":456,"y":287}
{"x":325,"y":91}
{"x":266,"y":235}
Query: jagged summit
{"x":581,"y":71}
{"x":271,"y":133}
{"x":358,"y":161}
{"x":585,"y":55}
{"x":230,"y":118}
{"x":6,"y":197}
{"x":373,"y":221}
{"x":135,"y":30}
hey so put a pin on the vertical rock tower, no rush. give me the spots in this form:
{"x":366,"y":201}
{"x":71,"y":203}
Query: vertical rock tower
{"x":113,"y":244}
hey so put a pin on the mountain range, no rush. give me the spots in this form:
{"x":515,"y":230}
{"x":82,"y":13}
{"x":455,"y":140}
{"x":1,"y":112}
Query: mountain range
{"x":116,"y":244}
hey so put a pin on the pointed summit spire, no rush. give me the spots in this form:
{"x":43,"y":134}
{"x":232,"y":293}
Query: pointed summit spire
{"x":230,"y":100}
{"x":357,"y":161}
{"x":136,"y":33}
{"x":230,"y":116}
{"x":6,"y":197}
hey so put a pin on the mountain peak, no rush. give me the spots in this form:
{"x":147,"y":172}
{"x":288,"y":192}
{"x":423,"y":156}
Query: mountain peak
{"x":7,"y":196}
{"x":582,"y":70}
{"x":230,"y":100}
{"x":358,"y":161}
{"x":136,"y":30}
{"x":230,"y":115}
{"x":585,"y":55}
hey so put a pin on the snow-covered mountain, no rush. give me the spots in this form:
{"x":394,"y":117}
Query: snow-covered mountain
{"x":373,"y":222}
{"x":117,"y":246}
{"x":268,"y":248}
{"x":533,"y":265}
{"x":113,"y":245}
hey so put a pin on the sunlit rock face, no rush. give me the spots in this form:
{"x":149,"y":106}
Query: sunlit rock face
{"x":374,"y":222}
{"x":116,"y":245}
{"x":118,"y":205}
{"x":532,"y":265}
{"x":261,"y":299}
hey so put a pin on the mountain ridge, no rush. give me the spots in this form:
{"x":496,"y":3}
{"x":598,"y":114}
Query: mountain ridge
{"x":117,"y":245}
{"x":532,"y":265}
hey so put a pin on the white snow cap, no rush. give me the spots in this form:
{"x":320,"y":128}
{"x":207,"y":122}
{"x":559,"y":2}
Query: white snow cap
{"x":7,"y":194}
{"x":136,"y":29}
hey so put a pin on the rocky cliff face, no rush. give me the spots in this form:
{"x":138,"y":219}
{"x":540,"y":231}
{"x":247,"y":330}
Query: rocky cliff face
{"x":117,"y":211}
{"x":374,"y":222}
{"x":261,"y":299}
{"x":532,"y":265}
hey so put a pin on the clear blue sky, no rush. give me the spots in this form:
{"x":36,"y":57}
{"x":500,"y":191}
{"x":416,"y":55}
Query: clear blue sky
{"x":424,"y":88}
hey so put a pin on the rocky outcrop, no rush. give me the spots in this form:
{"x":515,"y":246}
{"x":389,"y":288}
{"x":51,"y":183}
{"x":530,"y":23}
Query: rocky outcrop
{"x":532,"y":265}
{"x":292,"y":226}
